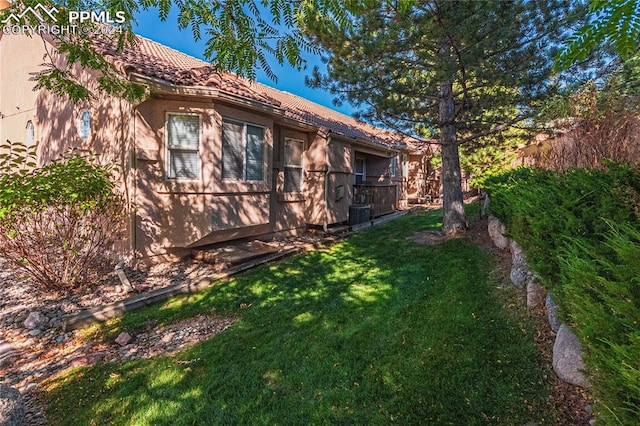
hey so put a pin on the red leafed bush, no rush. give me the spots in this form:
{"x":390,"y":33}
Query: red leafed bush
{"x":58,"y":222}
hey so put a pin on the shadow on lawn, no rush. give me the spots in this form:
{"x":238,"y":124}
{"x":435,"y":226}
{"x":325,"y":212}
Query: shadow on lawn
{"x":371,"y":331}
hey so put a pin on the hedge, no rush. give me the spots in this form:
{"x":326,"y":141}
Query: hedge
{"x":580,"y":230}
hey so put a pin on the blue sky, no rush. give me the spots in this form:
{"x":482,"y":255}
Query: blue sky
{"x":149,"y":25}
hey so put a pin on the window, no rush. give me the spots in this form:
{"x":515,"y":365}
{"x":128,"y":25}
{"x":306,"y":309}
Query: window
{"x":405,"y":165}
{"x":293,"y":165}
{"x":84,"y":124}
{"x":183,"y":142}
{"x":31,"y":134}
{"x":361,"y":172}
{"x":242,"y":152}
{"x":393,"y":166}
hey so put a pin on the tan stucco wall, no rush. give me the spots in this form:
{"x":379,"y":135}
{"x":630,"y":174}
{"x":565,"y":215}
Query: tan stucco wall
{"x":172,"y":215}
{"x":55,"y":117}
{"x":340,"y":156}
{"x":287,"y":209}
{"x":316,"y":165}
{"x":338,"y":209}
{"x":176,"y":214}
{"x":19,"y":56}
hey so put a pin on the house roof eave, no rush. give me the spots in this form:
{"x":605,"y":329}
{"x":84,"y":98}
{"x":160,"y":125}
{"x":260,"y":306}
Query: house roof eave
{"x":378,"y":145}
{"x":164,"y":87}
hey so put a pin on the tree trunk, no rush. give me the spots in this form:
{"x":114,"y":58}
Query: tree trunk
{"x":454,"y":220}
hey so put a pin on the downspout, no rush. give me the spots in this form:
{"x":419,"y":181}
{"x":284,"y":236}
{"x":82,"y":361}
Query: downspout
{"x":131,"y":180}
{"x":326,"y":184}
{"x":134,"y":170}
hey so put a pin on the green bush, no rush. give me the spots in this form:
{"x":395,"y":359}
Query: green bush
{"x":544,"y":210}
{"x":565,"y":223}
{"x":58,"y":222}
{"x":602,"y":294}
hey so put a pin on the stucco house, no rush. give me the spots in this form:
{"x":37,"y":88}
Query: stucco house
{"x":210,"y":157}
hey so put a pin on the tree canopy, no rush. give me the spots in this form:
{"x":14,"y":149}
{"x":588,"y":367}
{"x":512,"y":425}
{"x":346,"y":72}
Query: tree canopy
{"x":614,"y":22}
{"x":458,"y":70}
{"x":238,"y":36}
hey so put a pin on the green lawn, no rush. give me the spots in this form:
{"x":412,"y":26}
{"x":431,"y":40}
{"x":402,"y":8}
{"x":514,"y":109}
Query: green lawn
{"x":374,"y":330}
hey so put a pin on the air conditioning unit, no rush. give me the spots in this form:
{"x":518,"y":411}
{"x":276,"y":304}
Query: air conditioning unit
{"x":359,"y":214}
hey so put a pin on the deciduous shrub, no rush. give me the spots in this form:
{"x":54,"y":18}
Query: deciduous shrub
{"x":58,"y":222}
{"x":581,"y":232}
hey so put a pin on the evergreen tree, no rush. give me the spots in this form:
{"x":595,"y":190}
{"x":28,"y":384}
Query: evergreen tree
{"x":458,"y":69}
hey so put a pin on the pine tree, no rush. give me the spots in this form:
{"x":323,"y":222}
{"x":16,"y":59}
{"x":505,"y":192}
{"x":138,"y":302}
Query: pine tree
{"x":458,"y":69}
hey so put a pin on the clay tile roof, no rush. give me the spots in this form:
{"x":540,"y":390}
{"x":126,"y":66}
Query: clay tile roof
{"x":155,"y":60}
{"x":304,"y":110}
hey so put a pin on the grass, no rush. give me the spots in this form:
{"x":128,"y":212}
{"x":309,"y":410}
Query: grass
{"x":374,"y":330}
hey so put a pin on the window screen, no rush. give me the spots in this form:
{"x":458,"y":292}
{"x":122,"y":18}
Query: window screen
{"x":255,"y":153}
{"x":31,"y":133}
{"x":183,"y":145}
{"x":242,"y":152}
{"x":232,"y":151}
{"x":360,"y":171}
{"x":293,"y":165}
{"x":84,"y":124}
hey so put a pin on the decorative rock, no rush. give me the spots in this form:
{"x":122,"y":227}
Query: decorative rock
{"x":123,"y":339}
{"x":84,"y":360}
{"x":8,"y":353}
{"x":567,"y":358}
{"x":36,"y":320}
{"x":535,"y":294}
{"x":552,"y":313}
{"x":517,"y":253}
{"x":11,"y":407}
{"x":520,"y":272}
{"x":35,"y":332}
{"x":496,"y":232}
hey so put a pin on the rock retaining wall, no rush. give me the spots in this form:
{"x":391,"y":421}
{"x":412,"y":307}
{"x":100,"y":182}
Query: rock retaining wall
{"x":567,"y":350}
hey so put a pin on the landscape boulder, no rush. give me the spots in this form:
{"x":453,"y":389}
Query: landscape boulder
{"x":496,"y":232}
{"x":11,"y":406}
{"x":8,"y":353}
{"x":36,"y":320}
{"x":123,"y":339}
{"x":535,"y":294}
{"x":520,"y":272}
{"x":552,"y":313}
{"x":567,"y":358}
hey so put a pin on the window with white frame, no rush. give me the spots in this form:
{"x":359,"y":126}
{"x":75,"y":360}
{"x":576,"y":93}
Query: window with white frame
{"x":405,"y":165}
{"x":183,"y":145}
{"x":242,"y":151}
{"x":393,"y":166}
{"x":293,"y":149}
{"x":30,"y":133}
{"x":360,"y":171}
{"x":84,"y":124}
